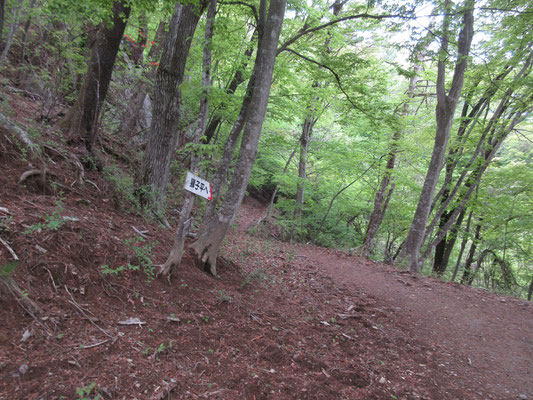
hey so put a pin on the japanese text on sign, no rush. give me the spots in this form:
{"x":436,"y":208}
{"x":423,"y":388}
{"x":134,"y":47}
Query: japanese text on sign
{"x":198,"y":186}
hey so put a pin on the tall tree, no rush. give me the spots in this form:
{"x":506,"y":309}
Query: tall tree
{"x":386,"y":187}
{"x":174,"y":258}
{"x":513,"y":108}
{"x":446,"y":104}
{"x":2,"y":16}
{"x":215,"y":228}
{"x":311,"y":119}
{"x":152,"y":179}
{"x":143,"y":87}
{"x":81,"y":122}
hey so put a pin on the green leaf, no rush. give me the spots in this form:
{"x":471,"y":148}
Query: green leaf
{"x":7,"y":269}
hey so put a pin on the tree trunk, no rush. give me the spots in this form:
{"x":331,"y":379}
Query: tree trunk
{"x":131,"y":115}
{"x":81,"y":122}
{"x":142,"y":39}
{"x":155,"y":168}
{"x":446,"y":104}
{"x":493,"y":135}
{"x":275,"y":193}
{"x":11,"y":33}
{"x":215,"y":228}
{"x":468,"y":274}
{"x":444,"y":248}
{"x":9,"y":287}
{"x":174,"y":258}
{"x":237,"y":79}
{"x":2,"y":17}
{"x":381,"y":199}
{"x":305,"y":138}
{"x":25,"y":32}
{"x":463,"y":246}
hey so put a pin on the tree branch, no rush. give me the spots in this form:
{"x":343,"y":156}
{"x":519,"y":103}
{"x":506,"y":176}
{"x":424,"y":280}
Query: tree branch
{"x":337,"y":78}
{"x":303,"y":32}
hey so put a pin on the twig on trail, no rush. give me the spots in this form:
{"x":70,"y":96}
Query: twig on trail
{"x":75,"y":304}
{"x":21,"y":134}
{"x":51,"y":278}
{"x":27,"y":174}
{"x":33,"y":96}
{"x":345,"y":316}
{"x":167,"y":389}
{"x":209,"y":311}
{"x":216,"y":392}
{"x":94,"y":184}
{"x":142,"y":233}
{"x":90,"y":346}
{"x":257,"y":338}
{"x":13,"y":254}
{"x":32,"y":203}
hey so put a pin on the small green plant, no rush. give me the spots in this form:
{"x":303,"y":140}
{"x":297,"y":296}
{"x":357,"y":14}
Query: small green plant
{"x":7,"y":269}
{"x":87,"y":392}
{"x":257,"y":275}
{"x":5,"y":222}
{"x":124,"y":188}
{"x":143,"y":255}
{"x":106,"y":269}
{"x":223,"y":297}
{"x":290,"y":256}
{"x":52,"y":222}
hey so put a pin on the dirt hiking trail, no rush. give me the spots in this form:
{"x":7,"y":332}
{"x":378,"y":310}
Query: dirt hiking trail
{"x":484,"y":339}
{"x":281,"y":321}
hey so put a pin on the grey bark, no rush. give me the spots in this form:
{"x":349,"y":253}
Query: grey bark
{"x":446,"y":104}
{"x":137,"y":101}
{"x":2,"y":17}
{"x":223,"y":165}
{"x":448,"y":191}
{"x":25,"y":32}
{"x":174,"y":258}
{"x":152,"y":180}
{"x":210,"y":240}
{"x":11,"y":33}
{"x":81,"y":122}
{"x":305,"y":138}
{"x":491,"y":140}
{"x":21,"y":135}
{"x":275,"y":193}
{"x":468,"y":274}
{"x":307,"y":129}
{"x":9,"y":287}
{"x":384,"y":193}
{"x":237,"y":79}
{"x":463,"y":246}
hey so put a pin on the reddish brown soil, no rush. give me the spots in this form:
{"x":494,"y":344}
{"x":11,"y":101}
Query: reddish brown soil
{"x":280,"y":322}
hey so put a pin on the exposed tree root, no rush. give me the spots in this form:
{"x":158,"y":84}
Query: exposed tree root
{"x":9,"y":288}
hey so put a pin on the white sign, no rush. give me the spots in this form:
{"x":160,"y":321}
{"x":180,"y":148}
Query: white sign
{"x":198,"y":186}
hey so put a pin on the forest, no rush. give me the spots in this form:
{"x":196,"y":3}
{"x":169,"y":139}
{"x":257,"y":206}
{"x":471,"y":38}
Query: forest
{"x":398,"y":131}
{"x":367,"y":215}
